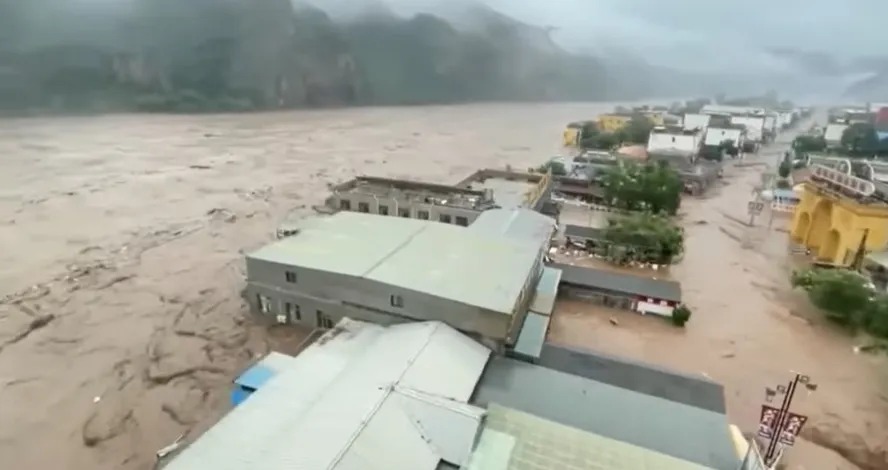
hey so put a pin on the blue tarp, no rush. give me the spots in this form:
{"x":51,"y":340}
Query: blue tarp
{"x":249,"y":382}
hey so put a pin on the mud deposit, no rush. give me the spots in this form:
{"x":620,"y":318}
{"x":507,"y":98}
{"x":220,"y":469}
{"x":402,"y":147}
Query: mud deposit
{"x":121,"y":240}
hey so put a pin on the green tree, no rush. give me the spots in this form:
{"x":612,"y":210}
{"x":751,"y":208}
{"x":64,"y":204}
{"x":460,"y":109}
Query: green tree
{"x":843,"y":295}
{"x":681,"y":315}
{"x":637,"y":130}
{"x":600,"y":141}
{"x":860,"y":139}
{"x":784,"y":169}
{"x":653,"y":187}
{"x":809,"y":143}
{"x":645,"y":237}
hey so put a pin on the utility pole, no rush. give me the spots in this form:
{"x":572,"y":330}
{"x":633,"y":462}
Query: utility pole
{"x":779,"y":422}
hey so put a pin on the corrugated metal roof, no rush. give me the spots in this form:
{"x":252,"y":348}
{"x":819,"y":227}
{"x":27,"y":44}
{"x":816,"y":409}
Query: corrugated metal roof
{"x":664,"y":426}
{"x":269,"y":366}
{"x":522,"y":224}
{"x":361,"y":397}
{"x":532,"y":336}
{"x":693,"y":390}
{"x":619,"y":282}
{"x":546,"y":291}
{"x":463,"y":265}
{"x":514,"y":440}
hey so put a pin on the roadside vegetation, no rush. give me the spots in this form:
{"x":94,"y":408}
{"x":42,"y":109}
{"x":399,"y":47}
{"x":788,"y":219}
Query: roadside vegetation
{"x":681,"y":315}
{"x":846,"y":298}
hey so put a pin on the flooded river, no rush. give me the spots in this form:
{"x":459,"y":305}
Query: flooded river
{"x":120,"y":271}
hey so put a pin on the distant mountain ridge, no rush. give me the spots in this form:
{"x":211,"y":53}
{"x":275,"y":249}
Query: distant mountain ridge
{"x":230,"y":55}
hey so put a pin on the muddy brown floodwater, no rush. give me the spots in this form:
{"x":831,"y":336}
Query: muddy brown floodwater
{"x":121,"y":240}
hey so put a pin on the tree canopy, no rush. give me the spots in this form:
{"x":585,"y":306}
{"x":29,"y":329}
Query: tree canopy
{"x":644,"y":237}
{"x":212,"y":55}
{"x":809,"y":143}
{"x":845,"y":297}
{"x":636,"y":131}
{"x":784,"y":169}
{"x":653,"y":187}
{"x":861,"y":139}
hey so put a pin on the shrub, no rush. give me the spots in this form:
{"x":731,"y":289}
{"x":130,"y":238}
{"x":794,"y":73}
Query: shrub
{"x":681,"y":315}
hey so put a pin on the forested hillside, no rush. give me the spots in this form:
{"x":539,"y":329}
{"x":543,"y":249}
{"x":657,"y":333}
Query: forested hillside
{"x":230,"y":55}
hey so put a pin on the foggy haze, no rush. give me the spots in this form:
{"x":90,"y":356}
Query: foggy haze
{"x":803,"y":49}
{"x":685,"y":33}
{"x":728,"y":36}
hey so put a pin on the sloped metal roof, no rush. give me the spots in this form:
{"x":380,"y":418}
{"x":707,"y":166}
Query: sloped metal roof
{"x":663,"y":426}
{"x":693,"y":390}
{"x":474,"y":267}
{"x":532,"y":336}
{"x":618,"y":282}
{"x":362,"y":397}
{"x":546,"y":292}
{"x":259,"y":373}
{"x":515,"y":440}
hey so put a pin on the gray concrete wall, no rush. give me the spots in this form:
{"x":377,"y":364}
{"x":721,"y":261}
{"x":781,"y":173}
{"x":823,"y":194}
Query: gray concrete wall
{"x":338,"y":295}
{"x":400,"y":207}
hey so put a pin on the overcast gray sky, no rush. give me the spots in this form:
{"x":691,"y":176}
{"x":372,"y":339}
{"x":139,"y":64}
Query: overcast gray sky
{"x":706,"y":34}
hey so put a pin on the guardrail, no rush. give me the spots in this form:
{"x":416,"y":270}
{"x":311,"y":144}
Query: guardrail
{"x":845,"y":181}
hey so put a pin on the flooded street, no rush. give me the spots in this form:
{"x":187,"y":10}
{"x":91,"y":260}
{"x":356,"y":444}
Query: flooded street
{"x":121,"y":323}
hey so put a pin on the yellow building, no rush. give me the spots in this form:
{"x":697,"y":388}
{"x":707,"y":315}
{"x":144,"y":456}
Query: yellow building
{"x":573,"y":134}
{"x":613,"y":122}
{"x":832,"y":225}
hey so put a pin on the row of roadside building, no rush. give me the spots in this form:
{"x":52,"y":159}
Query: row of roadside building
{"x":432,"y":305}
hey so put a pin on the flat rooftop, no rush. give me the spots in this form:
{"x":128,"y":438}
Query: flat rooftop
{"x":415,"y":191}
{"x":476,"y":267}
{"x":510,"y":189}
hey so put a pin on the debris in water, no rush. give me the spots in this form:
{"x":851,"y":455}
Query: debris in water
{"x":223,"y":214}
{"x":163,"y":452}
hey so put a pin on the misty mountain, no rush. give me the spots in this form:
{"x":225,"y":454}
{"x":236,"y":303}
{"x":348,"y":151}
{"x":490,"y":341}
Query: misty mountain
{"x":228,"y":55}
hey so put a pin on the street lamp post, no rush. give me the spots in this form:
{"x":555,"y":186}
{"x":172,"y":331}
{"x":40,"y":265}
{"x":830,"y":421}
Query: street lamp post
{"x":788,"y":392}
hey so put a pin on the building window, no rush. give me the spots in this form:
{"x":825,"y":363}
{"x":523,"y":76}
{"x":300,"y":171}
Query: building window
{"x":324,"y":321}
{"x":424,"y":215}
{"x":463,"y":221}
{"x":364,"y":207}
{"x":404,"y":213}
{"x":264,"y":303}
{"x":444,"y":218}
{"x":397,"y":301}
{"x":293,"y":312}
{"x":345,"y":204}
{"x":290,"y":276}
{"x":383,"y":210}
